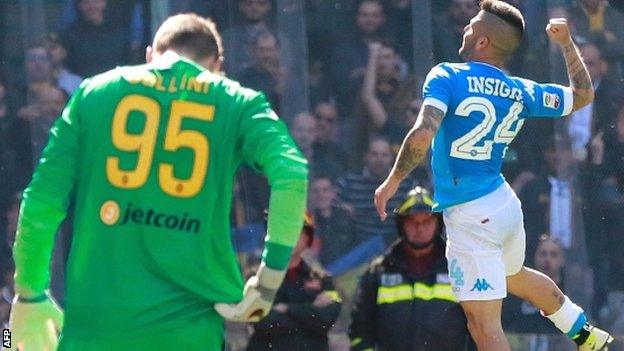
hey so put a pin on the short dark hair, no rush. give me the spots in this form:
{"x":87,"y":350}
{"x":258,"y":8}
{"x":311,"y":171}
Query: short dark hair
{"x":323,"y":176}
{"x":194,"y":35}
{"x":506,"y":12}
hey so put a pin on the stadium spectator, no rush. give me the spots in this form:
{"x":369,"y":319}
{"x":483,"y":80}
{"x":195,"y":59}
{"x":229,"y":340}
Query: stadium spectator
{"x":350,"y":56}
{"x":305,"y":307}
{"x":38,"y":66}
{"x":328,"y":152}
{"x":38,"y":71}
{"x":254,"y":17}
{"x":93,"y":44}
{"x":386,"y":95}
{"x":404,"y":300}
{"x":305,"y":132}
{"x":447,"y":37}
{"x":520,"y":316}
{"x":549,"y":200}
{"x":399,"y":26}
{"x":595,"y":20}
{"x":607,"y":157}
{"x":599,"y":114}
{"x":65,"y":79}
{"x":15,"y":150}
{"x":266,"y":72}
{"x":335,"y":229}
{"x":357,"y":190}
{"x":47,"y":104}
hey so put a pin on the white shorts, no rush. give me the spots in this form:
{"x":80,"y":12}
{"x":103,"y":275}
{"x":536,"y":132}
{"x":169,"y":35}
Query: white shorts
{"x":486,"y":243}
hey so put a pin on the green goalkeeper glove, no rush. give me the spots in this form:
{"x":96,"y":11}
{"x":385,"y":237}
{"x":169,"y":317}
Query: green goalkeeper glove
{"x":36,"y":323}
{"x":257,"y":299}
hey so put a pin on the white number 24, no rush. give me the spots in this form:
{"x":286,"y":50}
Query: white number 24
{"x":466,"y":146}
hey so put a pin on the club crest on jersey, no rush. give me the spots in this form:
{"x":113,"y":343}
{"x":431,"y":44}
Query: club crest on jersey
{"x":551,"y":100}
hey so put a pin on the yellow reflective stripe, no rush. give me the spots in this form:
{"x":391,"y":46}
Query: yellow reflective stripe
{"x":369,"y":349}
{"x":436,"y":291}
{"x":333,"y":295}
{"x":421,"y":291}
{"x":412,"y":200}
{"x":356,"y":341}
{"x":392,"y":294}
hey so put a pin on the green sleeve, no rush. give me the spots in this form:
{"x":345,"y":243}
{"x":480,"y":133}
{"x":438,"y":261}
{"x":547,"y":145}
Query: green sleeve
{"x":45,"y":202}
{"x":267,"y":146}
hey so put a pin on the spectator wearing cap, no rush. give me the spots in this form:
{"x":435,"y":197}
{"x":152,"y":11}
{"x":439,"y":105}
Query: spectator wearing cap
{"x":405,"y":300}
{"x":305,"y":307}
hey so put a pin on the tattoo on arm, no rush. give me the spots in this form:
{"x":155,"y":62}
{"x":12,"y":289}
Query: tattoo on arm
{"x":416,"y":145}
{"x":580,"y":80}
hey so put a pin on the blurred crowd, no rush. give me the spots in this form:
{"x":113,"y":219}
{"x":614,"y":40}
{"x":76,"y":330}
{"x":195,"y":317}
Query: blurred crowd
{"x":359,"y":78}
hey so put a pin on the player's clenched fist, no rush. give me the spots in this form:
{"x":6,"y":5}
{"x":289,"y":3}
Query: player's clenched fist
{"x":558,"y":31}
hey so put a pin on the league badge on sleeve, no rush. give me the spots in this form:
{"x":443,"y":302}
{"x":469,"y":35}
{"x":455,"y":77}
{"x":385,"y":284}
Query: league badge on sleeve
{"x":551,"y":100}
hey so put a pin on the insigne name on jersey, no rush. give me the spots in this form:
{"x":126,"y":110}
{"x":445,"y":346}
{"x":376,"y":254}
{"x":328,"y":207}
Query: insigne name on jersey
{"x":391,"y":279}
{"x":494,"y":87}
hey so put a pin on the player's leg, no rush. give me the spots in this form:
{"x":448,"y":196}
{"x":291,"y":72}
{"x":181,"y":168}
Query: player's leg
{"x":543,"y":293}
{"x":484,"y":324}
{"x":537,"y":288}
{"x":476,"y":270}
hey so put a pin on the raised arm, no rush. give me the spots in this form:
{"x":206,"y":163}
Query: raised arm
{"x":373,"y":106}
{"x":414,"y":149}
{"x":580,"y":81}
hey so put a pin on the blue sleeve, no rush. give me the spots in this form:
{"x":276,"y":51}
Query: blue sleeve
{"x":547,"y":100}
{"x":438,"y":88}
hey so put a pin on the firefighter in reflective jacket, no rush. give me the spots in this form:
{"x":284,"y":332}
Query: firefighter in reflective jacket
{"x":404,"y":300}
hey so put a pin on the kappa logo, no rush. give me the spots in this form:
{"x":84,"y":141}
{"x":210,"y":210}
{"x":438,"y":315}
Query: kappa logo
{"x":482,"y":285}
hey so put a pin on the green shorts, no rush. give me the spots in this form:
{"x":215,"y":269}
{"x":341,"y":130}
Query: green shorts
{"x":206,"y":334}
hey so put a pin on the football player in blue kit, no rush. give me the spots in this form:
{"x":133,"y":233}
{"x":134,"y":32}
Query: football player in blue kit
{"x":475,"y":110}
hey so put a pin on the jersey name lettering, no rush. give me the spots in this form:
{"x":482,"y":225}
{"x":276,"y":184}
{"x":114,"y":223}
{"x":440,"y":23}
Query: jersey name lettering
{"x":494,"y":87}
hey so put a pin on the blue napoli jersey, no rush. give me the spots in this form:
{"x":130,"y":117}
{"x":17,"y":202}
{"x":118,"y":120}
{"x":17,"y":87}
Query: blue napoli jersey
{"x":484,"y":110}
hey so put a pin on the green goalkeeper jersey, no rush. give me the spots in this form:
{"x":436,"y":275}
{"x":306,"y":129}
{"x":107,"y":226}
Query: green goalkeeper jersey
{"x":149,"y":154}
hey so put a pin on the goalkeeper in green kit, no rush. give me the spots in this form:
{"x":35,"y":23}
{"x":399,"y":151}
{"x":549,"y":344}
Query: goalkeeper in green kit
{"x":148,"y":153}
